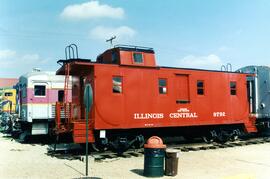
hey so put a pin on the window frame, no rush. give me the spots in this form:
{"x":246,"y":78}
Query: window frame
{"x":8,"y":94}
{"x":133,"y":57}
{"x":161,"y":86}
{"x":40,"y":96}
{"x":233,"y":89}
{"x":202,"y":88}
{"x":58,"y":94}
{"x":121,"y":84}
{"x":24,"y":91}
{"x":114,"y":57}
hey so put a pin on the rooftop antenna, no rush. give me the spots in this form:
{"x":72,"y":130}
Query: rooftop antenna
{"x":111,"y":40}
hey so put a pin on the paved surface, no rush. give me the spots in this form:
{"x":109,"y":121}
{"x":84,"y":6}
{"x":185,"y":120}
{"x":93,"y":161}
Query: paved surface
{"x":31,"y":161}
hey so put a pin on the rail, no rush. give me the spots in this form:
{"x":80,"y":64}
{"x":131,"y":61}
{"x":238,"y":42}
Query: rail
{"x":227,"y":67}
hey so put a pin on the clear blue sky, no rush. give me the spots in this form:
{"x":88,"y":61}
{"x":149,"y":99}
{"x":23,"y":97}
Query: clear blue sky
{"x":184,"y":33}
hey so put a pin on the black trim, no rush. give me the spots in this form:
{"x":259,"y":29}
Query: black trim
{"x":201,"y":70}
{"x":182,"y":101}
{"x":73,"y":60}
{"x":178,"y":68}
{"x":134,"y":48}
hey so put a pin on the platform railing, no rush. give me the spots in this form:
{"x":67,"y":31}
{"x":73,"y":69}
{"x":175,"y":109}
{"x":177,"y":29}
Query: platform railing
{"x":63,"y":116}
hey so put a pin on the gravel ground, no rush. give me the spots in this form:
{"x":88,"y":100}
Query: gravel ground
{"x":31,"y":161}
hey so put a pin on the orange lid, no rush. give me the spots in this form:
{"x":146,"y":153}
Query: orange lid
{"x":154,"y":143}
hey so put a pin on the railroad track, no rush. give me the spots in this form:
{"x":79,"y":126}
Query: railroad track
{"x":185,"y":147}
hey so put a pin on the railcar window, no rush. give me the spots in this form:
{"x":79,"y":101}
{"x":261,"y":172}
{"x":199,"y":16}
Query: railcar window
{"x":114,"y":57}
{"x":24,"y":91}
{"x":200,"y":87}
{"x":233,"y":87}
{"x":61,"y":95}
{"x":138,"y":57}
{"x":40,"y":90}
{"x":162,"y":86}
{"x":8,"y":94}
{"x":117,"y":84}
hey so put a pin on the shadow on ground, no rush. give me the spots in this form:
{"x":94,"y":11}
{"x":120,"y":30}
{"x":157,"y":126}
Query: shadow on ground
{"x":88,"y":178}
{"x":138,"y":171}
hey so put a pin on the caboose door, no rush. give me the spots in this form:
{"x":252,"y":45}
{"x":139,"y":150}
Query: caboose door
{"x":182,"y":88}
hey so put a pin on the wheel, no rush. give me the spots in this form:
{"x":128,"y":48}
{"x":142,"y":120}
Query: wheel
{"x":209,"y":136}
{"x":207,"y":139}
{"x":234,"y":138}
{"x":98,"y":147}
{"x":223,"y":137}
{"x":139,"y":142}
{"x":120,"y":145}
{"x":235,"y":135}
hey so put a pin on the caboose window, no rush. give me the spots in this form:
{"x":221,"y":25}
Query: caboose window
{"x":233,"y":87}
{"x":162,"y":86}
{"x":200,"y":87}
{"x":40,"y":90}
{"x":114,"y":57}
{"x":138,"y":57}
{"x":117,"y":84}
{"x":8,"y":94}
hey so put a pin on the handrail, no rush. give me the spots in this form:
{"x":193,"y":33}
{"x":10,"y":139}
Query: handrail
{"x":133,"y":46}
{"x":223,"y":67}
{"x":229,"y":67}
{"x":71,"y":49}
{"x":61,"y":125}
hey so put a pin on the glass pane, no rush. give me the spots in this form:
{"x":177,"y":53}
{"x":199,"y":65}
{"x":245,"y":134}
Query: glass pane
{"x":8,"y":94}
{"x":200,"y":84}
{"x":117,"y":84}
{"x":233,"y":84}
{"x":114,"y":57}
{"x":233,"y":87}
{"x":162,"y":86}
{"x":61,"y":95}
{"x":137,"y":57}
{"x":117,"y":79}
{"x":24,"y":91}
{"x":162,"y":82}
{"x":200,"y":91}
{"x":40,"y":90}
{"x":162,"y":90}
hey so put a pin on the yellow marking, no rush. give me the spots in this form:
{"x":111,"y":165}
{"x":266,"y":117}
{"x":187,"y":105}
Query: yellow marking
{"x":10,"y":98}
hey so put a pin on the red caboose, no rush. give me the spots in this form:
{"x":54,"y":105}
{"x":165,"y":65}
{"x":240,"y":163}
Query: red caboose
{"x":134,"y":98}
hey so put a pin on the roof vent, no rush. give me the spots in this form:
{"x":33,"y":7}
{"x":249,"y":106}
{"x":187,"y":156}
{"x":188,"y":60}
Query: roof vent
{"x":36,"y":70}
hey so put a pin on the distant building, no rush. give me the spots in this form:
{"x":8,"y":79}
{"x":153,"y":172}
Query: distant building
{"x":8,"y":82}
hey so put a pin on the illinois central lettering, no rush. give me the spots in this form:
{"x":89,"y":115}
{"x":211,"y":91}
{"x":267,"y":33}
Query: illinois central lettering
{"x":183,"y":115}
{"x":148,"y":115}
